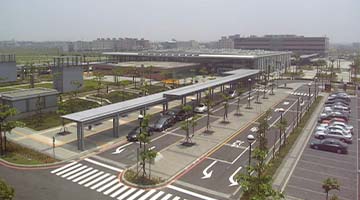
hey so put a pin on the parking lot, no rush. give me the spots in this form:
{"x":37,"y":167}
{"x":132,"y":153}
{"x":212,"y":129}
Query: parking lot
{"x":314,"y":166}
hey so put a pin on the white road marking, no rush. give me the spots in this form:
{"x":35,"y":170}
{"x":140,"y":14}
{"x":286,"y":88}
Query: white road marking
{"x":74,"y":171}
{"x":63,"y":167}
{"x":85,"y":175}
{"x":189,"y":193}
{"x":121,"y":148}
{"x":254,"y":129}
{"x":156,"y":196}
{"x":102,"y":182}
{"x":103,"y":165}
{"x":166,"y":197}
{"x":206,"y":174}
{"x":80,"y":173}
{"x":97,"y":179}
{"x":107,"y":185}
{"x":121,"y":190}
{"x":89,"y":178}
{"x":147,"y":195}
{"x":127,"y":193}
{"x":138,"y":193}
{"x":231,"y":178}
{"x":68,"y":169}
{"x":176,"y":198}
{"x":112,"y":189}
{"x":237,"y":144}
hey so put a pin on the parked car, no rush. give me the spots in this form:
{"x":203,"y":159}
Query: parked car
{"x":163,"y":123}
{"x":329,"y":145}
{"x":178,"y":114}
{"x":201,"y":108}
{"x":329,"y":116}
{"x":232,"y":93}
{"x":335,"y":127}
{"x":134,"y":134}
{"x":337,"y":101}
{"x":341,"y":96}
{"x":336,"y":134}
{"x":342,"y":108}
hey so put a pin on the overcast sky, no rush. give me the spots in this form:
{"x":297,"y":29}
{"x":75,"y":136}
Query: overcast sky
{"x":160,"y":20}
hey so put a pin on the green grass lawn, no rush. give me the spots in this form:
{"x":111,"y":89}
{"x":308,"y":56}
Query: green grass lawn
{"x":118,"y":96}
{"x":53,"y":119}
{"x":21,"y":155}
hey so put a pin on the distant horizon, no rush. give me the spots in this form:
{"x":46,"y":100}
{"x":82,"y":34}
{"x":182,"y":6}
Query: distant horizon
{"x":162,"y":20}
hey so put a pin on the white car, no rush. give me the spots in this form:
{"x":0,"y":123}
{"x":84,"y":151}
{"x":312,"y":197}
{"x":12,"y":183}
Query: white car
{"x":336,"y":134}
{"x":342,"y":124}
{"x":335,"y":127}
{"x":201,"y":108}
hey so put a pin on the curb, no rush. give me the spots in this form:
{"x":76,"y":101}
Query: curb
{"x":144,"y":187}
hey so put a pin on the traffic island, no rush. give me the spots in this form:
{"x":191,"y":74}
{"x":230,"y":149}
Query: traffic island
{"x":138,"y":180}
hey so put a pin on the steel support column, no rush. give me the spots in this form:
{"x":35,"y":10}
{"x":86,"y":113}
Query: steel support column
{"x":116,"y":126}
{"x":80,"y":136}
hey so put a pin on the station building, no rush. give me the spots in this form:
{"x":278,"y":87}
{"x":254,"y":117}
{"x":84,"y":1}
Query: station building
{"x":28,"y":101}
{"x":8,"y":70}
{"x":67,"y":73}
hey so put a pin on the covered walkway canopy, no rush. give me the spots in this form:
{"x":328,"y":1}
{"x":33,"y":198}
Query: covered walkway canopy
{"x":115,"y":110}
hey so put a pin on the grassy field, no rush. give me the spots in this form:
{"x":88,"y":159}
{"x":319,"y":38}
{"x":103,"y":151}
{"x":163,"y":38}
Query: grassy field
{"x":53,"y":119}
{"x":118,"y":96}
{"x":21,"y":155}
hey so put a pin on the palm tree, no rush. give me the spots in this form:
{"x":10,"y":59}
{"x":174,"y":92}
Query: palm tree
{"x":6,"y":191}
{"x":281,"y":125}
{"x":185,"y":125}
{"x":330,"y":184}
{"x":209,"y":103}
{"x":226,"y":106}
{"x":6,"y":124}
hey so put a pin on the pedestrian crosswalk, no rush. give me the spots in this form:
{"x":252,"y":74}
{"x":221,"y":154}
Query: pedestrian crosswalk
{"x":261,"y":90}
{"x":107,"y":183}
{"x":301,"y":94}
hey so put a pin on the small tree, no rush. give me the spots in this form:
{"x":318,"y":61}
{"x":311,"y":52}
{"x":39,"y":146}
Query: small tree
{"x":77,"y":86}
{"x":6,"y":191}
{"x":209,"y":103}
{"x":185,"y":125}
{"x":6,"y":124}
{"x":258,"y":186}
{"x":330,"y":184}
{"x":99,"y":78}
{"x":262,"y":129}
{"x":226,"y":106}
{"x":281,"y":125}
{"x":194,"y":123}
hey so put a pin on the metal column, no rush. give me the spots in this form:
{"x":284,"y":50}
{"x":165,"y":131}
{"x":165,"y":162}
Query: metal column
{"x":80,"y":136}
{"x":116,"y":126}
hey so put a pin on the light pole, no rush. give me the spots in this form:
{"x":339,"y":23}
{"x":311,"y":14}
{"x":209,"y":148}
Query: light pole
{"x":316,"y":89}
{"x":250,"y":139}
{"x":140,"y":118}
{"x":249,"y":81}
{"x":281,"y":111}
{"x":309,"y":84}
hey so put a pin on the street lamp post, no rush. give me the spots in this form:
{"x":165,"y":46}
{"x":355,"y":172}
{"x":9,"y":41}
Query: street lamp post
{"x":249,"y":81}
{"x":316,"y":89}
{"x":250,"y":139}
{"x":140,"y":118}
{"x":281,"y":110}
{"x":309,"y":97}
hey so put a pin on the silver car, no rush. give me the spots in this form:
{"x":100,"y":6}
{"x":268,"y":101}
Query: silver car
{"x":336,"y":134}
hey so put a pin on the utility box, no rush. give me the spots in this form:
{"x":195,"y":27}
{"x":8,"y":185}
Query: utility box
{"x":8,"y":70}
{"x":67,"y":74}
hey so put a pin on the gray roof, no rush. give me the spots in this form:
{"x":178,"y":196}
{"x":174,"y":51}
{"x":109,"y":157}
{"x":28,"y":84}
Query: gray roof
{"x":27,"y":93}
{"x":112,"y":110}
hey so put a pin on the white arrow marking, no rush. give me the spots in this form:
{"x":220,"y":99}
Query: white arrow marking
{"x":254,"y":129}
{"x":118,"y":150}
{"x":208,"y":175}
{"x":231,"y":178}
{"x":152,"y":148}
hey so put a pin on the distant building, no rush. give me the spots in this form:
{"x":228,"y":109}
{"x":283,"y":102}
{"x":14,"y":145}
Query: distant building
{"x":8,"y":70}
{"x":225,"y":43}
{"x":67,"y":73}
{"x":294,"y":43}
{"x":29,"y":101}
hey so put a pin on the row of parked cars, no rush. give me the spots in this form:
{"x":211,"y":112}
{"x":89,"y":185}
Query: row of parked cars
{"x":334,"y":132}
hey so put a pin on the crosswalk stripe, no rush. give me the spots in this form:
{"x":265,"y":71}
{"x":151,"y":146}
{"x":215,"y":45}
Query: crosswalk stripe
{"x":80,"y":173}
{"x":85,"y":175}
{"x":103,"y":165}
{"x":121,"y":190}
{"x":166,"y":197}
{"x":112,"y":189}
{"x":107,"y":185}
{"x":91,"y":177}
{"x":97,"y":179}
{"x":147,"y":194}
{"x":156,"y":196}
{"x":127,"y":193}
{"x":63,"y":167}
{"x":138,"y":193}
{"x":68,"y":169}
{"x":176,"y":198}
{"x":74,"y":171}
{"x":103,"y":182}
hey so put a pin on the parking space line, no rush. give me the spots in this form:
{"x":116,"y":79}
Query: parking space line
{"x":324,"y":174}
{"x":312,"y":191}
{"x":332,"y":167}
{"x":325,"y":158}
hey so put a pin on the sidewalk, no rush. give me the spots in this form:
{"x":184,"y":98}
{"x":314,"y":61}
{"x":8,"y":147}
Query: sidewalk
{"x":176,"y":158}
{"x":286,"y":168}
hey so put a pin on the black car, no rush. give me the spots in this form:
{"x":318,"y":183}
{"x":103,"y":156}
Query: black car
{"x":134,"y":134}
{"x":329,"y":145}
{"x":163,"y":123}
{"x":178,"y":114}
{"x":336,"y":101}
{"x":339,"y":96}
